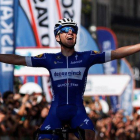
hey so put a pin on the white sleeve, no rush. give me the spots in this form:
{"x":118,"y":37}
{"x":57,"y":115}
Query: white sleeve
{"x":28,"y":61}
{"x":108,"y":56}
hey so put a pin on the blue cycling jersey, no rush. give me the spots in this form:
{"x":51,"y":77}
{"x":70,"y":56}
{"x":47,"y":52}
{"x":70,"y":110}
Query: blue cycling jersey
{"x":68,"y":74}
{"x":68,"y":77}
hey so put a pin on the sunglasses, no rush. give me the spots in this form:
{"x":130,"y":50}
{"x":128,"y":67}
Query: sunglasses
{"x":67,"y":29}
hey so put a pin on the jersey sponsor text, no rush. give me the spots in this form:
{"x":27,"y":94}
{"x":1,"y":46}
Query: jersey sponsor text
{"x":69,"y":85}
{"x":71,"y":73}
{"x":75,"y":62}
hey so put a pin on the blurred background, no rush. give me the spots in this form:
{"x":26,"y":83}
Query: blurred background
{"x":112,"y":95}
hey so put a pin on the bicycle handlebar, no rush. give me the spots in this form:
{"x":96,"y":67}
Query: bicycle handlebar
{"x":59,"y":131}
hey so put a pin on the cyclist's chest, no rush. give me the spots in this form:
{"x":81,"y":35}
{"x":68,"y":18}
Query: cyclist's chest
{"x":68,"y":67}
{"x":67,"y":62}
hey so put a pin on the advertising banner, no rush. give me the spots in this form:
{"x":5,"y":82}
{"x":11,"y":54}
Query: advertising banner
{"x":34,"y":15}
{"x":126,"y":97}
{"x":87,"y":43}
{"x":39,"y":18}
{"x":107,"y":41}
{"x":108,"y":85}
{"x":7,"y":41}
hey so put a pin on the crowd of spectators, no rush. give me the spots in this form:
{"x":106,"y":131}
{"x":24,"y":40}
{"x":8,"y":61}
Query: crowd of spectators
{"x":114,"y":126}
{"x":21,"y":115}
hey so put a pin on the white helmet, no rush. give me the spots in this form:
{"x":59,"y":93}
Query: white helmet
{"x":64,"y":22}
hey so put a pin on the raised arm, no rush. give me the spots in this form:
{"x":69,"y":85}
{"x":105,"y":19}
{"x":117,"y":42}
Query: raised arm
{"x":12,"y":59}
{"x":124,"y":51}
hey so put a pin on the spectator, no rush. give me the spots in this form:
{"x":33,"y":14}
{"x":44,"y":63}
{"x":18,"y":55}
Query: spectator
{"x":8,"y":96}
{"x":96,"y":105}
{"x":21,"y":115}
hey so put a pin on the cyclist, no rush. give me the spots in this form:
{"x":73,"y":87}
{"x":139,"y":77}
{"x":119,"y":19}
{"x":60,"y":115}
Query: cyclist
{"x":68,"y":71}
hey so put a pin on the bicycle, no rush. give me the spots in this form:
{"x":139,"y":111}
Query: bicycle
{"x":62,"y":132}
